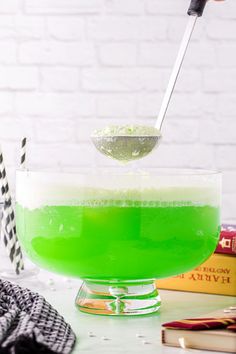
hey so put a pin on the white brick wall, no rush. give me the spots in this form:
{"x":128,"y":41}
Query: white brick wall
{"x":68,"y":66}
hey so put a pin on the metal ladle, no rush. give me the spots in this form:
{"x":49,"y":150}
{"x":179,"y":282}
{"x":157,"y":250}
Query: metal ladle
{"x":125,"y":147}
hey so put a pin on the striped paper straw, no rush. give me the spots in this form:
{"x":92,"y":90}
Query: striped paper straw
{"x":8,"y":226}
{"x":23,"y":153}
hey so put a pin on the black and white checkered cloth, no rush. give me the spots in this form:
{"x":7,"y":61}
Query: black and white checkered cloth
{"x":29,"y":324}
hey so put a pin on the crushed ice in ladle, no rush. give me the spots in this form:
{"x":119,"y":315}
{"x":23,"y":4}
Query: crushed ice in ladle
{"x":126,"y":143}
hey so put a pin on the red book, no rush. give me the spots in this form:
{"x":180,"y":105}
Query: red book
{"x":227,"y":241}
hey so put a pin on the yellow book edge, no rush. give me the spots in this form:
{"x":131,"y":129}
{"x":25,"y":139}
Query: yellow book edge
{"x":217,"y":275}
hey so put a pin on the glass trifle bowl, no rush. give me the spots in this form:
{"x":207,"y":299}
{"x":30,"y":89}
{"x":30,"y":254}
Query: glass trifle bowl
{"x":117,"y":231}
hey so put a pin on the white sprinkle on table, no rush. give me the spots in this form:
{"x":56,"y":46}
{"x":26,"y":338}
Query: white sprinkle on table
{"x":90,"y":334}
{"x":50,"y":281}
{"x":145,"y":342}
{"x":68,"y":280}
{"x":104,"y":338}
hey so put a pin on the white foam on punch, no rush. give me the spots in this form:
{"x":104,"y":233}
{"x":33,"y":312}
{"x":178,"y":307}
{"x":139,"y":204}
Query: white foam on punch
{"x":38,"y":189}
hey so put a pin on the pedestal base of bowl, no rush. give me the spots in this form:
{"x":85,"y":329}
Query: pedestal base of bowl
{"x":118,"y":298}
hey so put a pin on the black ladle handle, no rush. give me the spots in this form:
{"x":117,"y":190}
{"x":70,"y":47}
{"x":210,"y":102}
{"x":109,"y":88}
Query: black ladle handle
{"x":196,"y":7}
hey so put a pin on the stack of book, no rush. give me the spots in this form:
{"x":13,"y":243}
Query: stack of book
{"x":215,"y":276}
